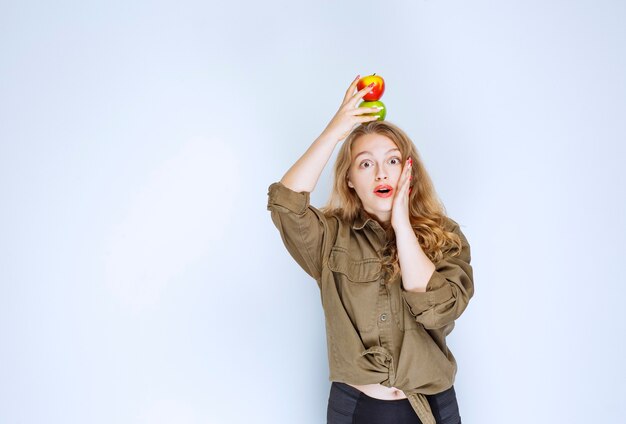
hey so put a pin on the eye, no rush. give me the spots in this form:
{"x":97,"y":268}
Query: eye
{"x":365,"y":164}
{"x":394,"y":160}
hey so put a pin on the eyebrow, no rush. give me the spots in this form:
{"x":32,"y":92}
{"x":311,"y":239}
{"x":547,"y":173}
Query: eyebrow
{"x":365,"y":152}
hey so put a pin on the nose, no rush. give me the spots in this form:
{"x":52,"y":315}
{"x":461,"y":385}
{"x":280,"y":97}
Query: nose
{"x":381,"y":174}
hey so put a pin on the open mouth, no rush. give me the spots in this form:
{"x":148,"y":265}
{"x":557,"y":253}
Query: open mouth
{"x":383,"y":191}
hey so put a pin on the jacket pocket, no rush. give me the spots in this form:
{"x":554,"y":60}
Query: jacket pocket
{"x":358,"y":284}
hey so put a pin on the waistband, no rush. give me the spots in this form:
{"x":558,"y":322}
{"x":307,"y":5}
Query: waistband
{"x":381,"y":360}
{"x":418,"y":402}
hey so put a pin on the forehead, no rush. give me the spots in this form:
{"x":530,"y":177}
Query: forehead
{"x":374,"y":143}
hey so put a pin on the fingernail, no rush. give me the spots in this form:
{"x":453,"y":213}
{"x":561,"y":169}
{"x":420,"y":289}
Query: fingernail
{"x":410,"y":188}
{"x":372,"y":84}
{"x":358,"y":76}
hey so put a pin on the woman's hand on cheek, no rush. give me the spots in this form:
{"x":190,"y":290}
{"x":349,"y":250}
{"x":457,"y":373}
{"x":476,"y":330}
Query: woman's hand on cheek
{"x":400,"y":206}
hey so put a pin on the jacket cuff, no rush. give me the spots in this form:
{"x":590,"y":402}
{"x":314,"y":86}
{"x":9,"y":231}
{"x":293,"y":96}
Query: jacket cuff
{"x":438,"y":291}
{"x":281,"y":196}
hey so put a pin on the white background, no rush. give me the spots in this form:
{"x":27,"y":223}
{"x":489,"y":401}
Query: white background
{"x":141,"y":278}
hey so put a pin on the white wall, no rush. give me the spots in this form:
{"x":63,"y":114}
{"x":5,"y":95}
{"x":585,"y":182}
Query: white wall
{"x":141,"y":278}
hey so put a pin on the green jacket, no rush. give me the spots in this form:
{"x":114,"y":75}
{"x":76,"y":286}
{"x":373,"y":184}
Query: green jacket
{"x":376,"y":331}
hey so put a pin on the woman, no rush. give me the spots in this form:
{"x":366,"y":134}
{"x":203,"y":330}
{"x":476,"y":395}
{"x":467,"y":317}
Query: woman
{"x":393,"y":270}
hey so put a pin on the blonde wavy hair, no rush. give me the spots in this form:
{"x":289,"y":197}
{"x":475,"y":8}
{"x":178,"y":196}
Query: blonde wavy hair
{"x":426,"y":212}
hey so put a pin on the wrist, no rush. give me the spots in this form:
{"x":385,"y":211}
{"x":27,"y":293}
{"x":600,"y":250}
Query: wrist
{"x":401,"y":226}
{"x":329,"y":137}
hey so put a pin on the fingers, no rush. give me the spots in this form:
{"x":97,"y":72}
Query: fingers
{"x":363,"y":110}
{"x":400,"y":207}
{"x":366,"y":118}
{"x":367,"y":113}
{"x":410,"y":174}
{"x":406,"y":176}
{"x":359,"y":95}
{"x":348,"y":95}
{"x":409,"y":169}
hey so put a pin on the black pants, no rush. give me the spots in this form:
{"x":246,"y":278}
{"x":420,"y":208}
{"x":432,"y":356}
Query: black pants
{"x":347,"y":405}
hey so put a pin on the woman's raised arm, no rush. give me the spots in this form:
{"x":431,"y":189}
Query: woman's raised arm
{"x":304,"y":174}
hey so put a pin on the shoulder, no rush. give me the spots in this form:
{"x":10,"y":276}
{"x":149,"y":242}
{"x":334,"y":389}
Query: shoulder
{"x":336,"y":217}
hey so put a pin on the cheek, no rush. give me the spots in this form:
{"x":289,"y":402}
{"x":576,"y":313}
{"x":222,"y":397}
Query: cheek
{"x":358,"y":187}
{"x":397,"y":173}
{"x":356,"y":179}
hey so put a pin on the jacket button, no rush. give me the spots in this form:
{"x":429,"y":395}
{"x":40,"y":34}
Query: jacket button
{"x":383,"y":317}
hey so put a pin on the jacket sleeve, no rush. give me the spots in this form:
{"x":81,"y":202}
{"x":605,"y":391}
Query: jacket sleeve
{"x":448,"y":291}
{"x":305,"y":231}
